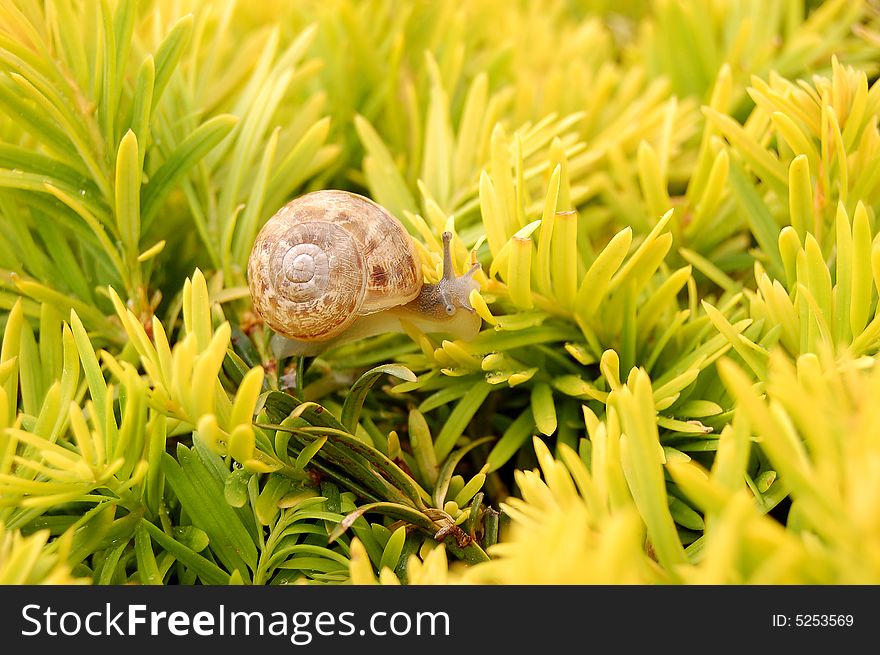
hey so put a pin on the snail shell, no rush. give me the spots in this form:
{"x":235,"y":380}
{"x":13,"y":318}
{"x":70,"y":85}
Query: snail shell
{"x":327,"y":258}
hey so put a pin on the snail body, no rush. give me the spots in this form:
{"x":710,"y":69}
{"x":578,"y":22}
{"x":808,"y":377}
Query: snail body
{"x":333,"y":266}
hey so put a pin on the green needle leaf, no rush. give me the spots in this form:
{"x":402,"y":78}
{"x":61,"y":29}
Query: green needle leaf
{"x":190,"y":151}
{"x":459,"y":418}
{"x":354,"y":401}
{"x":128,"y":194}
{"x":201,"y":495}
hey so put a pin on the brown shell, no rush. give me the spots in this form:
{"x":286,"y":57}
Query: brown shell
{"x":326,"y":258}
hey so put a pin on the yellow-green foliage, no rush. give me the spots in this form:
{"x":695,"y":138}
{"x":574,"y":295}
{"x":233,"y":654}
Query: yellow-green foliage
{"x":674,"y":205}
{"x":28,"y":560}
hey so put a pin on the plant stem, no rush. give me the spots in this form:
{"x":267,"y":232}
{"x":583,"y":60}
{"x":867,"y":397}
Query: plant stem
{"x":300,"y":374}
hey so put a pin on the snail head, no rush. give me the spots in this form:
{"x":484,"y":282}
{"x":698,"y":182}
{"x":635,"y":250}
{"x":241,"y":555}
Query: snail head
{"x":453,"y":292}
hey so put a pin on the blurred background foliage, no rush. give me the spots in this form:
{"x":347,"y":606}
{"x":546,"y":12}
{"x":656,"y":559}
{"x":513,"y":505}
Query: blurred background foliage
{"x":675,"y":208}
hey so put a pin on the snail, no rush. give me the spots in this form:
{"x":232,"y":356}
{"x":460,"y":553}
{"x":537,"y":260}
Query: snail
{"x":333,"y":266}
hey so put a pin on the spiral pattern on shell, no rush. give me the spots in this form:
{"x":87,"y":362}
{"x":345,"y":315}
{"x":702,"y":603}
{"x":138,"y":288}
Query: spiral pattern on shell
{"x":326,"y":258}
{"x":294,"y":279}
